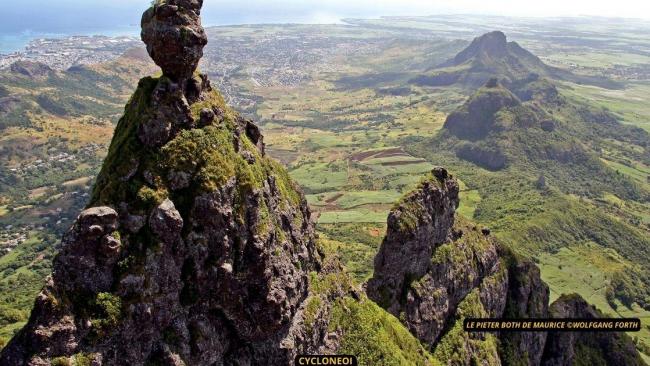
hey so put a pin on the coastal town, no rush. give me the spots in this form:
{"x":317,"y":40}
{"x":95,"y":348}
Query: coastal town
{"x":62,"y":53}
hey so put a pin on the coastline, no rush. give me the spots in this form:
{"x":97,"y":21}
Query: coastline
{"x":15,"y":42}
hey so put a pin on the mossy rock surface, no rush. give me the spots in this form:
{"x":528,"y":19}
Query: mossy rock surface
{"x":375,"y":336}
{"x":211,"y":156}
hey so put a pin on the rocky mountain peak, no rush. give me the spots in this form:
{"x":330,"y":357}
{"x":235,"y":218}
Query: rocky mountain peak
{"x":172,"y":31}
{"x":493,"y":44}
{"x":477,"y":117}
{"x":430,"y":261}
{"x":493,"y":56}
{"x":416,"y":226}
{"x":434,"y":269}
{"x":195,"y":248}
{"x":488,"y":56}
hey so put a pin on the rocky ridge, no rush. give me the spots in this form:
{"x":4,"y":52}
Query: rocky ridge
{"x":433,"y":270}
{"x":528,"y":125}
{"x":571,"y":348}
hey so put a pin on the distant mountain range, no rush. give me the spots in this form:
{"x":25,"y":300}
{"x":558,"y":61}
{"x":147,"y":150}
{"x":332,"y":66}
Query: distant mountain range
{"x":518,"y":124}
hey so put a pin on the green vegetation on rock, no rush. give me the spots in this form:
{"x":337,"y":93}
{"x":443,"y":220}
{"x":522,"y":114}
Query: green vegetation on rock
{"x":458,"y":347}
{"x":374,"y":336}
{"x":207,"y":155}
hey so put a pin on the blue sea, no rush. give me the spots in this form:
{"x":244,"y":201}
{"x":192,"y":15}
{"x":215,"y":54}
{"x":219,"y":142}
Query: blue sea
{"x":11,"y":42}
{"x":25,"y":20}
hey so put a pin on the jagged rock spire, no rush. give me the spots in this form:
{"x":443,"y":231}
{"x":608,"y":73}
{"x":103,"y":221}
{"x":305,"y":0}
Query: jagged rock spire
{"x":172,"y":31}
{"x":196,"y":248}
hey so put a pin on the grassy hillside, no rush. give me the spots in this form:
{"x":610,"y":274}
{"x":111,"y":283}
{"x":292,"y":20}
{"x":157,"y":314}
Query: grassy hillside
{"x":53,"y":136}
{"x":560,"y":200}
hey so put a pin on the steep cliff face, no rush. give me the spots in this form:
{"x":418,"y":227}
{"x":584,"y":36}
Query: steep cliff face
{"x":420,"y":223}
{"x":427,"y":264}
{"x":586,"y":347}
{"x":528,"y":297}
{"x":477,"y":117}
{"x":433,"y":270}
{"x":195,"y":248}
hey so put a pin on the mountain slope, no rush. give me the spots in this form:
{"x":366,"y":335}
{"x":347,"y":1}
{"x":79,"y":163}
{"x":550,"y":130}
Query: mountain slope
{"x":433,"y":270}
{"x":549,"y":179}
{"x":48,"y":163}
{"x":495,"y":128}
{"x":29,"y":87}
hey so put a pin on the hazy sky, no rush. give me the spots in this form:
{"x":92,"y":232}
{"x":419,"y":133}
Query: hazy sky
{"x":66,"y":15}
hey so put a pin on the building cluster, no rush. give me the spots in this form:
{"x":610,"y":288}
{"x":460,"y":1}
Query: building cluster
{"x":286,"y":59}
{"x":56,"y":159}
{"x":62,"y":53}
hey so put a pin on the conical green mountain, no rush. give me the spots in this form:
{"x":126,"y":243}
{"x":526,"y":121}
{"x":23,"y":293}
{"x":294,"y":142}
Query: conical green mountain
{"x":490,"y":56}
{"x":529,"y":125}
{"x":545,"y":165}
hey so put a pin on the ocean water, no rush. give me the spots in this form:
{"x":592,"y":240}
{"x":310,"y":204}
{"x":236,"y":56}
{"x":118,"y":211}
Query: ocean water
{"x":16,"y":40}
{"x":25,"y":20}
{"x":11,"y":42}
